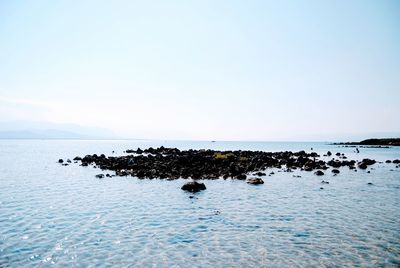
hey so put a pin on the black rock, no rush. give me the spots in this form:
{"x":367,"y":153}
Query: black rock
{"x":329,"y":153}
{"x":193,"y":187}
{"x":325,"y":182}
{"x":255,"y":181}
{"x":370,"y":183}
{"x":396,"y":161}
{"x":362,"y":166}
{"x":319,"y":173}
{"x":100,"y":176}
{"x":335,"y":171}
{"x":388,"y":161}
{"x":60,"y":161}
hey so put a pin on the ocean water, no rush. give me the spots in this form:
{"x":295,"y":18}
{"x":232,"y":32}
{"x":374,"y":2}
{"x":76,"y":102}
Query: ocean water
{"x":57,"y":216}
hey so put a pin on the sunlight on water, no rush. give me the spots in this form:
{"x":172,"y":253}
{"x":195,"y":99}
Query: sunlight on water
{"x":51,"y":215}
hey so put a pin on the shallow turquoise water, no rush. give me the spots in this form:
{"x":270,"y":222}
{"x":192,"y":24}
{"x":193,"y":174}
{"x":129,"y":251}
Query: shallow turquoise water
{"x":52,"y":215}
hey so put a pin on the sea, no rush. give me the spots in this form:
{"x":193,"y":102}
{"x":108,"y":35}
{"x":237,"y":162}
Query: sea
{"x":63,"y":216}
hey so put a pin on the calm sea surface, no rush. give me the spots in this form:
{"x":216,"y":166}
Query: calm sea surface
{"x":51,"y":215}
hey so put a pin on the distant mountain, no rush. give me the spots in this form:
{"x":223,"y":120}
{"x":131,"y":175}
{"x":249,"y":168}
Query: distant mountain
{"x":48,"y":130}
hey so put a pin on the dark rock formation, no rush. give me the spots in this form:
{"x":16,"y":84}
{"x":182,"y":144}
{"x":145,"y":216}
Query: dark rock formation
{"x":319,"y":173}
{"x":365,"y":163}
{"x":193,"y":187}
{"x":172,"y":163}
{"x":255,"y":181}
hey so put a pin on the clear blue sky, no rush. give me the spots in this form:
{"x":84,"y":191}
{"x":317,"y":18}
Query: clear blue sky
{"x":229,"y":70}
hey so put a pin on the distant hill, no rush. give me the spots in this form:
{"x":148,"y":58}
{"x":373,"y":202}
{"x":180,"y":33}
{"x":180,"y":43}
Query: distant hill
{"x":385,"y":142}
{"x":49,"y":130}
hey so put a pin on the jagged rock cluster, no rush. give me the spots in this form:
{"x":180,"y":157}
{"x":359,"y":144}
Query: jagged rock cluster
{"x":172,"y":163}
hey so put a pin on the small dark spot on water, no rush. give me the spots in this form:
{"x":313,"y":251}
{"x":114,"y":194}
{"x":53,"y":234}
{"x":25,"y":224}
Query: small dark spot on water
{"x":302,"y":234}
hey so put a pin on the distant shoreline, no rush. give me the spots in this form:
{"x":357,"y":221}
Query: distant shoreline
{"x":374,"y":142}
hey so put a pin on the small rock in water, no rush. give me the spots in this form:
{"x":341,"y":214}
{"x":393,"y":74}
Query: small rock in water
{"x":60,"y":161}
{"x":193,"y":187}
{"x":69,"y":161}
{"x":362,"y":166}
{"x":325,"y":182}
{"x":319,"y":173}
{"x":255,"y":181}
{"x":335,"y":171}
{"x":370,"y":183}
{"x":388,"y":161}
{"x":365,"y":163}
{"x":100,"y":176}
{"x":260,"y":174}
{"x":321,"y":188}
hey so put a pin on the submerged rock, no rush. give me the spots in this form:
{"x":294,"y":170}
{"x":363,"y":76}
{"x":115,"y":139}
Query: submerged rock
{"x":335,"y":171}
{"x":193,"y":187}
{"x":319,"y":173}
{"x":100,"y":176}
{"x":255,"y":181}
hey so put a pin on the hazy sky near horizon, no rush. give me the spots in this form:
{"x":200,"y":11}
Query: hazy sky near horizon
{"x":229,"y":70}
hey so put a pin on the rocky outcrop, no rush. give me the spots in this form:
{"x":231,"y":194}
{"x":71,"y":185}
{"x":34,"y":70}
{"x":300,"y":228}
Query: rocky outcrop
{"x":255,"y":181}
{"x":193,"y":187}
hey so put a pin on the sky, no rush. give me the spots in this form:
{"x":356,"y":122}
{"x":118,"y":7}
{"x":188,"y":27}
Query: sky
{"x":204,"y":70}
